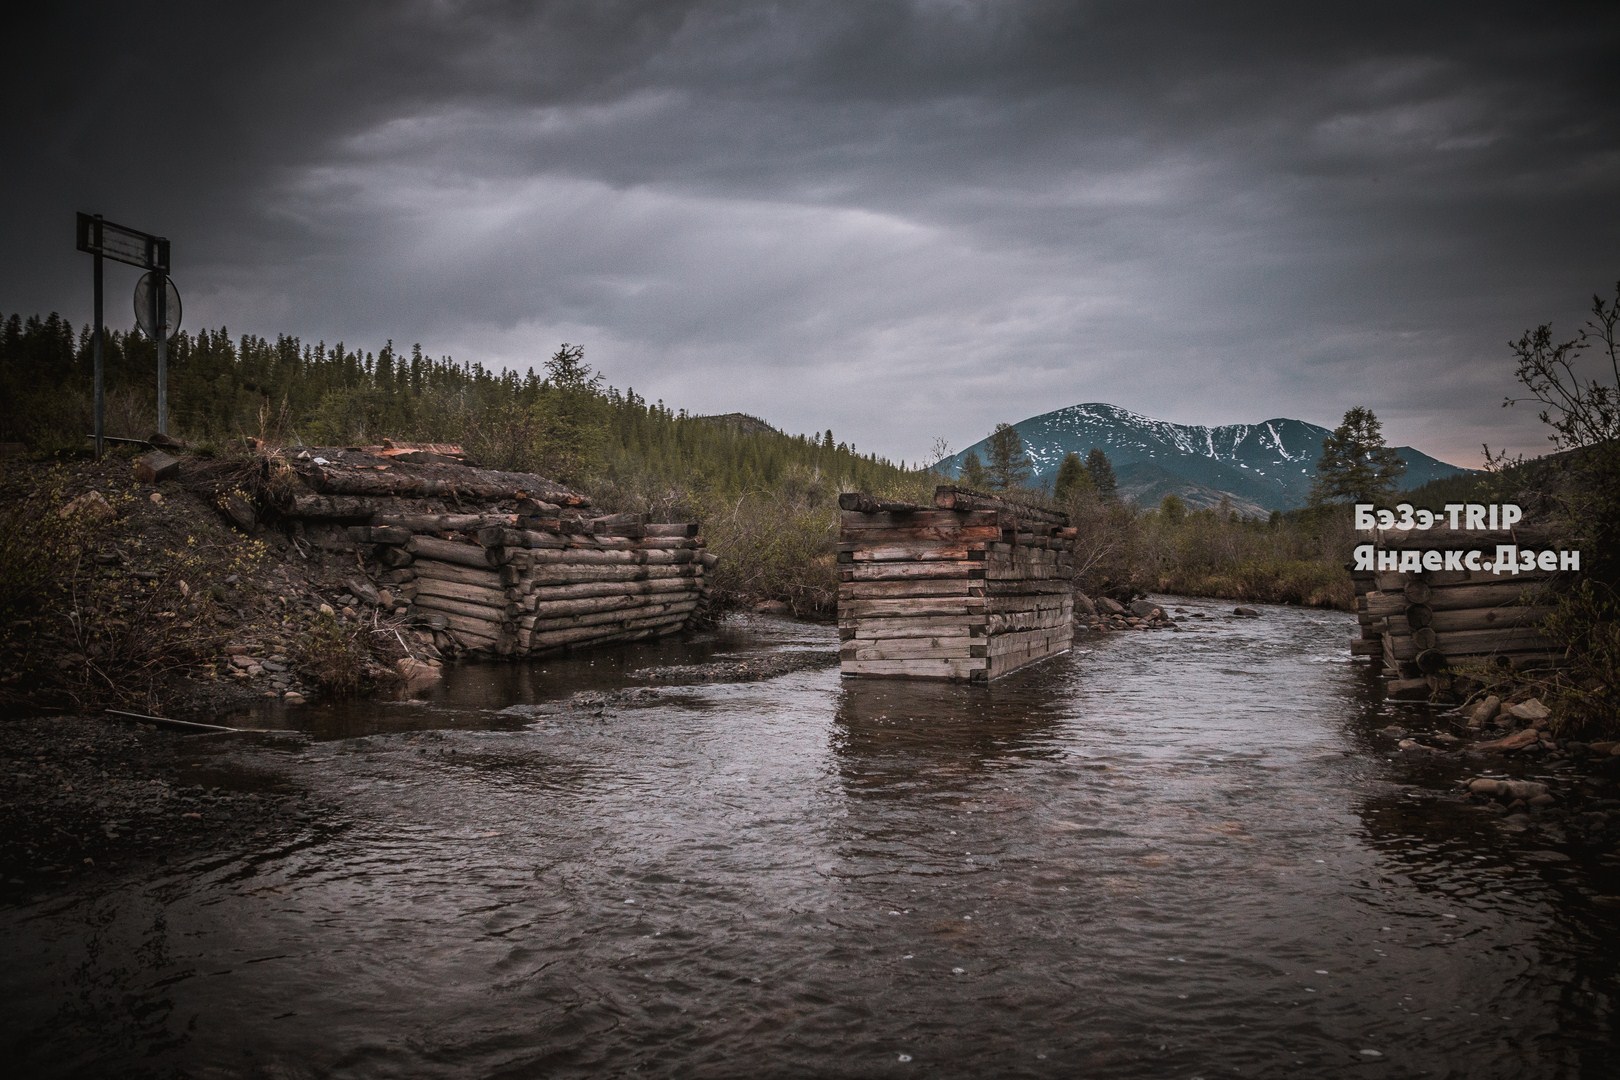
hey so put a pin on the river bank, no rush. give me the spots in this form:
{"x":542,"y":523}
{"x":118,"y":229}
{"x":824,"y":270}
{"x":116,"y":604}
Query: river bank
{"x":1185,"y":852}
{"x":90,"y":796}
{"x":170,"y":597}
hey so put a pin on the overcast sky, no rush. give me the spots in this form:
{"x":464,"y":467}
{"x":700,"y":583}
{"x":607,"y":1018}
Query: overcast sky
{"x":900,"y":220}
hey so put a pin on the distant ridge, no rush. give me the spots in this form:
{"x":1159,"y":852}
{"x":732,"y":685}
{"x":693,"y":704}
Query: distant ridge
{"x":743,"y":422}
{"x":1257,"y":467}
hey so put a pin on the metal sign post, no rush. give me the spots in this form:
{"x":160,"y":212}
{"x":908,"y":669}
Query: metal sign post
{"x":103,"y":239}
{"x":157,"y":310}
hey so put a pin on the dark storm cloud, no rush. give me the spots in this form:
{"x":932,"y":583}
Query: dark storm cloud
{"x":895,"y":219}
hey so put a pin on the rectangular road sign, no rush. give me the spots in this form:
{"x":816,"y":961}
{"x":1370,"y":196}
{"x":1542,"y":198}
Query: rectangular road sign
{"x":98,"y":236}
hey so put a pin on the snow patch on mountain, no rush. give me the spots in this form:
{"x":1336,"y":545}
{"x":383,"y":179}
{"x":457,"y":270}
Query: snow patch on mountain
{"x":1267,"y":466}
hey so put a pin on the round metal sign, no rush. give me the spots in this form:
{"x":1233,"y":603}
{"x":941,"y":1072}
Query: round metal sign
{"x":143,"y":304}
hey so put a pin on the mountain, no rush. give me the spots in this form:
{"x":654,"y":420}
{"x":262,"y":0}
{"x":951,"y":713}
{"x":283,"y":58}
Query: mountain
{"x":1258,"y":467}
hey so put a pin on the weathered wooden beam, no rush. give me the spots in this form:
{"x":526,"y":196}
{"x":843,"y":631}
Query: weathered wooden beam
{"x":940,"y":648}
{"x":379,"y":534}
{"x":586,"y":605}
{"x":911,"y":627}
{"x":905,"y":553}
{"x":894,"y":590}
{"x":546,"y":592}
{"x":1464,"y":643}
{"x":471,"y":575}
{"x":900,"y":571}
{"x":482,"y":628}
{"x":300,"y":504}
{"x":915,"y":606}
{"x":436,"y":523}
{"x":542,"y":623}
{"x":628,"y":525}
{"x":969,"y":669}
{"x":862,"y":503}
{"x":861,"y":525}
{"x":334,"y":478}
{"x":1446,"y":621}
{"x":1392,"y":581}
{"x":955,"y":498}
{"x":574,"y":573}
{"x":488,"y":596}
{"x":922,"y":534}
{"x":1498,"y":594}
{"x":497,"y":536}
{"x":451,"y":551}
{"x":495,"y":617}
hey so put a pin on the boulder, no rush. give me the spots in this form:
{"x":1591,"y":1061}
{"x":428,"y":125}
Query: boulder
{"x":416,"y":672}
{"x":1110,"y":605}
{"x":239,"y":512}
{"x":91,"y":506}
{"x":1146,"y":609}
{"x":1083,"y":604}
{"x":1529,"y":711}
{"x":1510,"y":790}
{"x":1484,"y":712}
{"x":1246,"y":612}
{"x":1516,"y":741}
{"x":363,"y":590}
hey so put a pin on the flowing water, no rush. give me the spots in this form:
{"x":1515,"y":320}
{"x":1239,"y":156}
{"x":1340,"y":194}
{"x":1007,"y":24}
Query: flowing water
{"x":1180,"y":853}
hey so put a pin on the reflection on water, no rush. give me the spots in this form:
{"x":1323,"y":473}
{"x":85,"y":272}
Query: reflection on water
{"x":1179,"y":853}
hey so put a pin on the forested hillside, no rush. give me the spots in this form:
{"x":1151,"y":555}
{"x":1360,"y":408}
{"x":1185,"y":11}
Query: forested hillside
{"x":765,"y":497}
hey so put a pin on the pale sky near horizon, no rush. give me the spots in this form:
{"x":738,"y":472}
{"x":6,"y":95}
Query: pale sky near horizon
{"x":901,"y":219}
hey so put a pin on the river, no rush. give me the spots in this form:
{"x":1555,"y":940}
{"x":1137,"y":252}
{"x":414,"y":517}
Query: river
{"x":1180,"y":853}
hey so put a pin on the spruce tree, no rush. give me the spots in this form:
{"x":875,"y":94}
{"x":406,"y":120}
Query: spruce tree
{"x":1355,"y":465}
{"x":1102,"y":473}
{"x":1072,"y":480}
{"x":1009,"y":467}
{"x":972,"y":474}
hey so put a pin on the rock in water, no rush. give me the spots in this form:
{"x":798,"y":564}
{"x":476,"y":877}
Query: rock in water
{"x":1484,"y":712}
{"x":1516,"y":741}
{"x":1509,"y":790}
{"x":417,"y":672}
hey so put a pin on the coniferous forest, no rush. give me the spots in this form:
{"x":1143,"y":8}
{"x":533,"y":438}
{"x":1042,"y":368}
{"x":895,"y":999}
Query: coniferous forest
{"x":767,"y":500}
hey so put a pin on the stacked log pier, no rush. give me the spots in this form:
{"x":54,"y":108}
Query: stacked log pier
{"x":1421,"y":627}
{"x":1369,"y":645}
{"x":969,"y":588}
{"x":497,"y":563}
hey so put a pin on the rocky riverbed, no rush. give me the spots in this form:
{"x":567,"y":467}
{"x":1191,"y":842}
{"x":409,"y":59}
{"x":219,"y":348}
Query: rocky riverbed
{"x":85,"y":797}
{"x":1522,"y":772}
